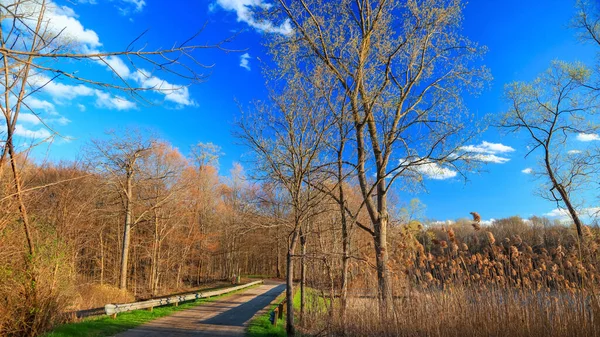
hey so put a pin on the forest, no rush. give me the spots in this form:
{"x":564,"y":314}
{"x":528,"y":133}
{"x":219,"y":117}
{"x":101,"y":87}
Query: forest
{"x":365,"y":100}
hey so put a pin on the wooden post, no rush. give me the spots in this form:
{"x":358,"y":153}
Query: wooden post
{"x":114,"y":316}
{"x":280,"y":309}
{"x":275,"y":315}
{"x":150,"y":309}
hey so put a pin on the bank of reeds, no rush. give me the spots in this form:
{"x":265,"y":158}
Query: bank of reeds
{"x":497,"y":287}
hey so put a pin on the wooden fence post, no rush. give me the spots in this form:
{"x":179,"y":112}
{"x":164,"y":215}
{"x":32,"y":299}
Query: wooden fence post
{"x":275,"y":316}
{"x":280,"y":310}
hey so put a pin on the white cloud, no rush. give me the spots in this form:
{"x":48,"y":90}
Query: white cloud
{"x":587,"y":137}
{"x":139,"y":4}
{"x":487,"y":222}
{"x":122,"y":5}
{"x":36,"y":134}
{"x":528,"y":170}
{"x":441,"y":223}
{"x":81,"y":107}
{"x":118,"y":66}
{"x":563,"y":214}
{"x":557,"y":212}
{"x":60,"y":91}
{"x":572,"y":152}
{"x":487,"y":147}
{"x":105,"y":100}
{"x":244,"y":61}
{"x":244,"y":11}
{"x":59,"y":121}
{"x":63,"y":20}
{"x":37,"y":105}
{"x":426,"y":168}
{"x":489,"y":158}
{"x":174,"y":93}
{"x":60,"y":23}
{"x":487,"y":152}
{"x":435,"y":171}
{"x":29,"y":118}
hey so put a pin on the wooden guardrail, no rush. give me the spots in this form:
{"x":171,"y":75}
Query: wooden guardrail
{"x":114,"y":309}
{"x":277,"y":313}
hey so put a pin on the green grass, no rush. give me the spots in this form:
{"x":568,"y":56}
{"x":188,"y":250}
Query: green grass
{"x":315,"y":301}
{"x":106,"y":326}
{"x":260,"y":276}
{"x":261,"y":326}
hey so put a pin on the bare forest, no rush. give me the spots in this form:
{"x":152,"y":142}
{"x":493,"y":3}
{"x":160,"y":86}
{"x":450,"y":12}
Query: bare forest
{"x":364,"y":99}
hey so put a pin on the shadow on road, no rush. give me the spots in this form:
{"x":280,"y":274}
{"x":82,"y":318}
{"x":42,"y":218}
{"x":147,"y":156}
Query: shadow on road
{"x":243,"y":312}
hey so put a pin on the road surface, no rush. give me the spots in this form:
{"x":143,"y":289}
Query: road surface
{"x":227,"y":316}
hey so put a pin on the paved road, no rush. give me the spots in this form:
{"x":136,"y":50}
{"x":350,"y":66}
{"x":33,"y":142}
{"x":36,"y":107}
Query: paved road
{"x":224,"y":317}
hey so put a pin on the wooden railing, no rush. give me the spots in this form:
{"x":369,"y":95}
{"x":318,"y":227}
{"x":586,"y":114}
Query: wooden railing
{"x":114,"y":309}
{"x":277,"y":313}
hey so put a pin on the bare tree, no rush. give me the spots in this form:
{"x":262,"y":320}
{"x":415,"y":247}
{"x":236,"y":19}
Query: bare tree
{"x":37,"y":52}
{"x":587,"y":21}
{"x":403,"y":66}
{"x":162,"y":169}
{"x":287,"y":137}
{"x":552,"y":110}
{"x":119,"y":159}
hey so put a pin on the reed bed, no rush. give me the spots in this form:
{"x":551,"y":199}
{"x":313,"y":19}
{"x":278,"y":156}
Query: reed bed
{"x":475,"y":284}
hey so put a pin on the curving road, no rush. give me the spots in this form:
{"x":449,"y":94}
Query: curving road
{"x":226,"y":316}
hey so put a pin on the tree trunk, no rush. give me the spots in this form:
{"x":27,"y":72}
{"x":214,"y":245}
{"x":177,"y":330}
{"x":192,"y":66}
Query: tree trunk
{"x":345,"y":263}
{"x":30,"y":272}
{"x":384,"y":287}
{"x":126,"y":233}
{"x":154,"y":265}
{"x":278,"y":271}
{"x":289,"y":291}
{"x":154,"y":268}
{"x":563,"y":194}
{"x":303,"y":277}
{"x":101,"y":258}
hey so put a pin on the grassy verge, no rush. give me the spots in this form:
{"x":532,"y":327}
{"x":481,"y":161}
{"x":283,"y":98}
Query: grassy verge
{"x":261,"y":326}
{"x":106,"y":326}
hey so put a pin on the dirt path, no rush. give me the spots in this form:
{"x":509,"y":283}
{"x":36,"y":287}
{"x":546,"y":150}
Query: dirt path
{"x":224,"y":317}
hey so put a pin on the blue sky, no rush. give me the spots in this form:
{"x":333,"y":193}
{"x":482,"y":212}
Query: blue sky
{"x":523,"y":37}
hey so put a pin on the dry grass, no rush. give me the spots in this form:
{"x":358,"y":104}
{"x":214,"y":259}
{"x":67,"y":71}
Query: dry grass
{"x":489,"y":282}
{"x":467,"y":312}
{"x":96,"y":295}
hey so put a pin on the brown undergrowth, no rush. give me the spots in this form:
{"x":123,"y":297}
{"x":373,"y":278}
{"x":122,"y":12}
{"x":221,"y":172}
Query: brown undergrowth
{"x":458,"y":281}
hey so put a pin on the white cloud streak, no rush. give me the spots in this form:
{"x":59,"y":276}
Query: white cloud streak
{"x":528,"y":170}
{"x":563,"y":214}
{"x":245,"y":61}
{"x":487,"y":147}
{"x":244,"y":11}
{"x":587,"y":137}
{"x":488,"y":152}
{"x":435,"y":171}
{"x":138,"y":4}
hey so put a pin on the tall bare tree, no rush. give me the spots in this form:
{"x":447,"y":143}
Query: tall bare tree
{"x":403,"y":66}
{"x":118,"y":158}
{"x":37,"y":51}
{"x":287,"y":138}
{"x":553,"y":110}
{"x":162,"y":186}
